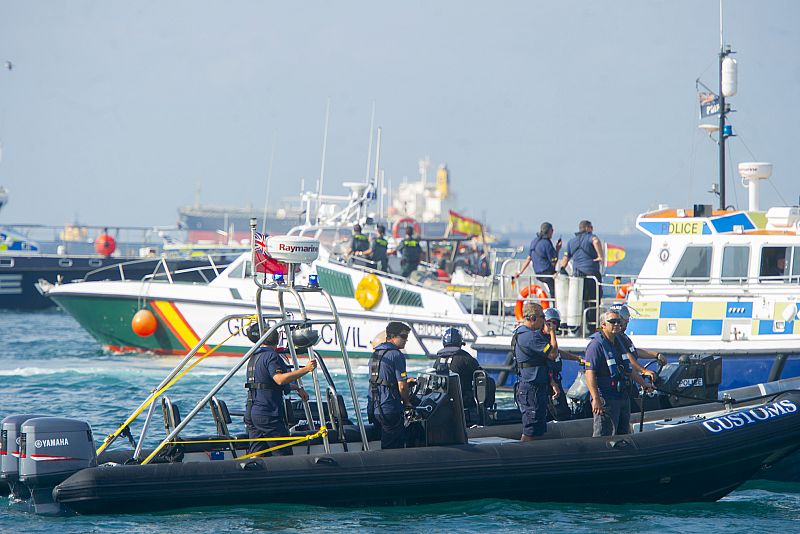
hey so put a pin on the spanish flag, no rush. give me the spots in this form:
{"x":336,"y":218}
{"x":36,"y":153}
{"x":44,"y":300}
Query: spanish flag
{"x":614,"y":254}
{"x":464,"y":225}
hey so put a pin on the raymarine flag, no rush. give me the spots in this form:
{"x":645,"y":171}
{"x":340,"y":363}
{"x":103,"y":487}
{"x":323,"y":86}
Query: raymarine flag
{"x":264,"y":262}
{"x":709,"y":104}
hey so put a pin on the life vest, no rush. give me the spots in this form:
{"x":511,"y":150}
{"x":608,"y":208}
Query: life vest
{"x":619,"y":367}
{"x":375,"y":382}
{"x":255,"y":383}
{"x":411,"y":250}
{"x":360,"y":243}
{"x":445,"y":357}
{"x":379,"y":247}
{"x":524,"y":358}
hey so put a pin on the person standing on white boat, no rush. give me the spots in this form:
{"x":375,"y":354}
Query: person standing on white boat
{"x":378,"y":250}
{"x":544,"y":257}
{"x":269,"y":378}
{"x":388,"y":386}
{"x":410,"y":252}
{"x":609,"y":377}
{"x":358,"y":245}
{"x":586,"y":252}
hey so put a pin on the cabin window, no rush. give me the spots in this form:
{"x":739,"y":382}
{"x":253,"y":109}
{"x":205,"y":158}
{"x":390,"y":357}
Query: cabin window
{"x":774,"y":264}
{"x":695,"y":265}
{"x":239,"y":269}
{"x":795,"y":264}
{"x":735,"y":261}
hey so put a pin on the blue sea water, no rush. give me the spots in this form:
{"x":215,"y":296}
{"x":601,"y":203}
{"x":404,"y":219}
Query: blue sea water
{"x":47,"y":362}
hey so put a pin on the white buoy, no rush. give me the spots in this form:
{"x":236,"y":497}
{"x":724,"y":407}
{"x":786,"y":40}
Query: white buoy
{"x":730,"y":74}
{"x":752,"y":172}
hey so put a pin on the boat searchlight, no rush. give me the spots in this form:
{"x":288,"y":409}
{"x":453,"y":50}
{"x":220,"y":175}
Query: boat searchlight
{"x":752,"y":173}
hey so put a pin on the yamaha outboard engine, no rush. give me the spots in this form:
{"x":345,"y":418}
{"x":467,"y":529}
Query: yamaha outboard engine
{"x":51,"y":449}
{"x":9,"y":454}
{"x":441,"y":408}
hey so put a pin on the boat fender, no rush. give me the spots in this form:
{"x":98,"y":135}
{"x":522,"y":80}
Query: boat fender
{"x":622,"y":292}
{"x":368,"y":292}
{"x":537,"y":291}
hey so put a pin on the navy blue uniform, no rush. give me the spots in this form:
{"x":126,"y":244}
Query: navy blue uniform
{"x":543,"y":260}
{"x":385,"y":406}
{"x":581,"y":250}
{"x":410,"y":253}
{"x":379,"y":255}
{"x":612,"y":374}
{"x":265,"y":416}
{"x":559,"y":410}
{"x":531,"y":348}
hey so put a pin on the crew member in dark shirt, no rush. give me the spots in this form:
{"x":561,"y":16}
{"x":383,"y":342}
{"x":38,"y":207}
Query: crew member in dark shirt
{"x":544,"y":256}
{"x":388,"y":393}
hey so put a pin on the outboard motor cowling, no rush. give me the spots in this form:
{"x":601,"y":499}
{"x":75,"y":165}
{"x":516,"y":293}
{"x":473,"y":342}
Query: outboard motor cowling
{"x":9,"y":453}
{"x":52,"y":449}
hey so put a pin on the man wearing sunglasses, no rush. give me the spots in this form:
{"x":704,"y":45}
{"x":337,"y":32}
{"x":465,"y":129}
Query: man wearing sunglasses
{"x":534,"y":344}
{"x":388,"y":388}
{"x":608,"y":377}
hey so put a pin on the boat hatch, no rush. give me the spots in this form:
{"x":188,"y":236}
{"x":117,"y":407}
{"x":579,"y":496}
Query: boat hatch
{"x":7,"y":262}
{"x":65,"y":262}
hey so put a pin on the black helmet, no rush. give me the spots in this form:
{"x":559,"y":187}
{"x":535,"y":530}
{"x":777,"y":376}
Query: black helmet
{"x":552,"y":314}
{"x":452,"y":338}
{"x":254,"y":334}
{"x":305,"y":337}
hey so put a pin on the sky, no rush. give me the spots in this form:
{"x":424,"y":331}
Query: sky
{"x":117,"y":112}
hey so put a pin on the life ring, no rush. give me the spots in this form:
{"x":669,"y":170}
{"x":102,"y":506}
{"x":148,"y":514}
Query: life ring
{"x":398,"y":225}
{"x":535,"y":290}
{"x":623,"y":290}
{"x":368,"y":291}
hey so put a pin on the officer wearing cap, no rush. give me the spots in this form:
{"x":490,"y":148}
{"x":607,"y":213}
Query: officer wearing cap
{"x":558,"y":408}
{"x":534,"y":344}
{"x":360,"y":243}
{"x":608,"y":378}
{"x":269,"y":378}
{"x":410,"y":252}
{"x":388,"y":386}
{"x":631,"y":353}
{"x":378,"y":250}
{"x":459,"y":361}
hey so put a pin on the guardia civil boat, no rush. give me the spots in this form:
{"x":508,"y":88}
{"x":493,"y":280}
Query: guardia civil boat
{"x":366,"y":299}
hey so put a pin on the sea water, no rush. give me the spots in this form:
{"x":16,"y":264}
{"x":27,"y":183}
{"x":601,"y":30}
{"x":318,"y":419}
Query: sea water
{"x":49,"y":364}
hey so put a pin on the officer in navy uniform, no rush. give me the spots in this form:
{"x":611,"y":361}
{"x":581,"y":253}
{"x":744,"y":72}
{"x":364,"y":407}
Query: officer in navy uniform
{"x":359,"y":244}
{"x":586,"y":252}
{"x":535,"y":345}
{"x":630,"y":352}
{"x":388,"y":386}
{"x":269,"y":378}
{"x":452,"y":357}
{"x":378,"y":250}
{"x":608,"y":378}
{"x":410,"y":252}
{"x":544,"y":257}
{"x":558,"y":408}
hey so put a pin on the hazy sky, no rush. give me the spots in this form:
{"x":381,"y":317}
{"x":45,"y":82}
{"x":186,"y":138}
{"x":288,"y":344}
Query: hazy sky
{"x":557,"y":110}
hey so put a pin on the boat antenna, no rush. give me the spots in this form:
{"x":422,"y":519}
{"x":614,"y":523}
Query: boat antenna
{"x":724,"y":131}
{"x":269,"y":183}
{"x":369,"y":147}
{"x":324,"y":150}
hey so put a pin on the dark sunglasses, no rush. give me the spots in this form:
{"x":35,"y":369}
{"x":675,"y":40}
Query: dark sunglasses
{"x":614,"y":321}
{"x":404,"y":336}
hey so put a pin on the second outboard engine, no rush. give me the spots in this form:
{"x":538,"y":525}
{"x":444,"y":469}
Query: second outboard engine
{"x":9,"y":454}
{"x":52,"y":449}
{"x":693,"y":378}
{"x":441,"y":408}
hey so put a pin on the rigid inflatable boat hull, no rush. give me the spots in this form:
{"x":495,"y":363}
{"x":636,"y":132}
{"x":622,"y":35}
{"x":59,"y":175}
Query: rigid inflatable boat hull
{"x":688,"y":463}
